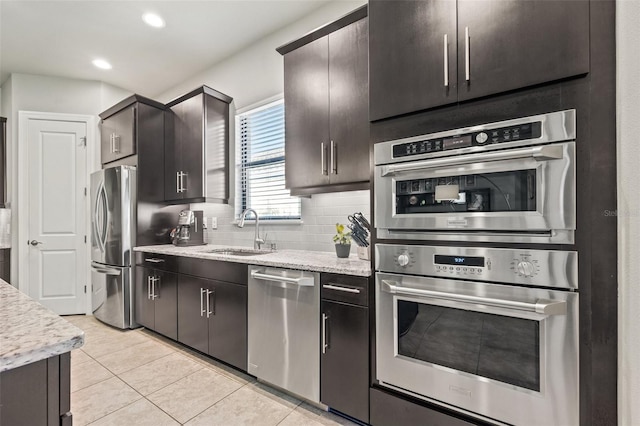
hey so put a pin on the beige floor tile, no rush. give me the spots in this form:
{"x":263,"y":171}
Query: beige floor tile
{"x":276,"y":395}
{"x":140,"y":413}
{"x":157,"y":374}
{"x":78,"y":356}
{"x":83,"y":321}
{"x":87,"y":373}
{"x":94,"y":402}
{"x":133,"y":356}
{"x":195,"y":393}
{"x":101,"y":341}
{"x":245,"y":406}
{"x":296,"y":418}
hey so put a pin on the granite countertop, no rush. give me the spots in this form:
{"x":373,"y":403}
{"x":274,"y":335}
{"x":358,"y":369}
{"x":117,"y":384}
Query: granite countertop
{"x":316,"y":261}
{"x":30,"y":332}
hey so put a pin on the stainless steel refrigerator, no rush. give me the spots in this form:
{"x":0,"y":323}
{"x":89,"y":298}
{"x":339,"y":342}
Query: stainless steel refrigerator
{"x":113,"y":236}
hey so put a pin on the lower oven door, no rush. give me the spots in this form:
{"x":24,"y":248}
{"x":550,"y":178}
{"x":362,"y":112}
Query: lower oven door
{"x":502,"y":352}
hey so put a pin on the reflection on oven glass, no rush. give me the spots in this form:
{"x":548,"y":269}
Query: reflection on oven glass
{"x":493,"y":346}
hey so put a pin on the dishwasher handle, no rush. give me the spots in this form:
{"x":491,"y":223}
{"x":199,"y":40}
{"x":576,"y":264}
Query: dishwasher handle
{"x":301,"y":281}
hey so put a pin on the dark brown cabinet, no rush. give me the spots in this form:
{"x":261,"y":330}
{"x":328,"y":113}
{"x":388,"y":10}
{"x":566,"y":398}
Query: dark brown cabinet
{"x":344,"y":361}
{"x":37,"y":393}
{"x":156,"y":300}
{"x":424,"y":54}
{"x":118,"y":135}
{"x":212,"y":313}
{"x":197,"y":147}
{"x":5,"y":264}
{"x":3,"y":161}
{"x":326,"y":120}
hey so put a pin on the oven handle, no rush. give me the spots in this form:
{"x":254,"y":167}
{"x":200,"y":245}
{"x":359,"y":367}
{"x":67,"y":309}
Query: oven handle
{"x":541,"y":306}
{"x":538,"y":153}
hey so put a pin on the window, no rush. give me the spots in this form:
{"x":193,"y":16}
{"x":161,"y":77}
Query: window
{"x":260,"y":158}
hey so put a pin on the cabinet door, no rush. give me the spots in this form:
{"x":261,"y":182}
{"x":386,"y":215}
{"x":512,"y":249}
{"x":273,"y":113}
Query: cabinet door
{"x":192,"y":322}
{"x":407,"y":67}
{"x":144,"y":306}
{"x":228,"y":323}
{"x":344,"y":364}
{"x":172,"y":159}
{"x":118,"y":135}
{"x":166,"y":303}
{"x":306,"y":100}
{"x":348,"y":93}
{"x":189,"y":134}
{"x":513,"y":44}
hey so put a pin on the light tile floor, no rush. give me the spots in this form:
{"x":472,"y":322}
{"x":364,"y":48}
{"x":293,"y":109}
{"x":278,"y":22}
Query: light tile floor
{"x":140,"y":378}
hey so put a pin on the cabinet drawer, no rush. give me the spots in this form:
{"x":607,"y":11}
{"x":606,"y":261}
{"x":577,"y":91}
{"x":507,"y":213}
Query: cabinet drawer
{"x":214,"y":269}
{"x":157,"y":261}
{"x":345,"y":288}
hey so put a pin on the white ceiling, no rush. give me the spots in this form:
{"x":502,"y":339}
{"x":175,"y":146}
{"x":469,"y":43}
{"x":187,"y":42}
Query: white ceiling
{"x":61,"y":38}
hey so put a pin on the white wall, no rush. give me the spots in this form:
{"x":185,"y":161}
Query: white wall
{"x":628,"y":145}
{"x":256,"y":73}
{"x":26,"y":92}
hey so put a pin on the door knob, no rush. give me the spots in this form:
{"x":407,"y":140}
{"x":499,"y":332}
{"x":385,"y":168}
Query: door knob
{"x":35,"y":242}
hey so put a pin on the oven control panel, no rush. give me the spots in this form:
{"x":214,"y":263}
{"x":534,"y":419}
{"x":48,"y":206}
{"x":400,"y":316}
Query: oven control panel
{"x":546,"y":268}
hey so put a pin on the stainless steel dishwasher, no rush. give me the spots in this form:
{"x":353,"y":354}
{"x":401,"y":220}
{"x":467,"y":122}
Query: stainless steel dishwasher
{"x":284,"y":329}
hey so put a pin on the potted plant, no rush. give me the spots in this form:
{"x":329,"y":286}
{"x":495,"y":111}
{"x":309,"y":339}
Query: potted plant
{"x":342,"y":240}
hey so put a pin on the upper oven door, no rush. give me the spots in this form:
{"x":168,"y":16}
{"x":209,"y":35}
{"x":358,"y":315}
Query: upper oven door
{"x":523,"y":194}
{"x":505,"y":352}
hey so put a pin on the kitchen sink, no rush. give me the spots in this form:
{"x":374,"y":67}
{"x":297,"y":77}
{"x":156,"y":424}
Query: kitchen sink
{"x":239,"y":252}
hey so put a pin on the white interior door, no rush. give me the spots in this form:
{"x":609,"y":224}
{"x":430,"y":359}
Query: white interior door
{"x":57,"y":220}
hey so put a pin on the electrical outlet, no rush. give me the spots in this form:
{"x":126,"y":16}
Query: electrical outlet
{"x":214,"y":222}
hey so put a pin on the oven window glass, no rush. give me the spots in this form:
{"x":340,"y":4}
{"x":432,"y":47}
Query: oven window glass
{"x":493,"y":346}
{"x":488,"y":192}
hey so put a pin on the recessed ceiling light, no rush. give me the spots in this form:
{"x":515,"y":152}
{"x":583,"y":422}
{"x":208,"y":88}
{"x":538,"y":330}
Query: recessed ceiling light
{"x":102,"y":64}
{"x":153,"y":20}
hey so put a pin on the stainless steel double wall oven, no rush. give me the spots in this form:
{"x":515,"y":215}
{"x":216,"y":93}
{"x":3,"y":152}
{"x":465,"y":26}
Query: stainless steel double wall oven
{"x":488,"y":331}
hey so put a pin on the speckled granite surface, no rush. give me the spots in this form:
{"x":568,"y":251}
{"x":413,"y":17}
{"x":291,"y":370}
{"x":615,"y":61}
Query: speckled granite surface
{"x":30,"y":332}
{"x":316,"y":261}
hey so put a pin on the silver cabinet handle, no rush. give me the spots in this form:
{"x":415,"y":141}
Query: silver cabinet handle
{"x":301,"y":281}
{"x":149,"y":287}
{"x":183,"y":185}
{"x":446,"y":60}
{"x":538,"y":153}
{"x":154,"y":280}
{"x":209,"y":310}
{"x":325,"y":345}
{"x":195,"y":224}
{"x":202,"y":310}
{"x":178,"y":182}
{"x":116,"y":143}
{"x":340,"y":288}
{"x":112,"y":138}
{"x":154,"y":260}
{"x":323,"y":162}
{"x":334,"y":159}
{"x":540,"y":306}
{"x":467,"y":56}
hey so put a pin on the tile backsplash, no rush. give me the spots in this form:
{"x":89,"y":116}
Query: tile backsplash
{"x":319,"y":216}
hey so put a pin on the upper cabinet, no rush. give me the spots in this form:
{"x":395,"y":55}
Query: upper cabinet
{"x":326,"y":117}
{"x":424,"y":54}
{"x":197,"y":147}
{"x":132,"y":132}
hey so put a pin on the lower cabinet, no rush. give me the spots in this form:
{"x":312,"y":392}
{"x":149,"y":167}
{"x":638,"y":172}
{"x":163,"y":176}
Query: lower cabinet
{"x":212,"y":318}
{"x":344,"y":361}
{"x":37,"y":393}
{"x":5,"y":264}
{"x":156,"y":300}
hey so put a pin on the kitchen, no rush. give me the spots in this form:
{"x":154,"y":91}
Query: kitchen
{"x":22,"y":93}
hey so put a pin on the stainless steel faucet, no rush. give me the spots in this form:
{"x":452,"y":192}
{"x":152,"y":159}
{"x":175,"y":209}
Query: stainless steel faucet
{"x":257,"y":241}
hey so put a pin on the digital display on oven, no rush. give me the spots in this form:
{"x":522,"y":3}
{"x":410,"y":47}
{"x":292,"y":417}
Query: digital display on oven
{"x":457,"y":142}
{"x":440,"y":259}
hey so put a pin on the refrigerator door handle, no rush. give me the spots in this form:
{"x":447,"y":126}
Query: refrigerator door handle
{"x":105,"y":269}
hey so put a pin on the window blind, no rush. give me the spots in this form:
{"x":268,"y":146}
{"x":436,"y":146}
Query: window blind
{"x":261,"y":164}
